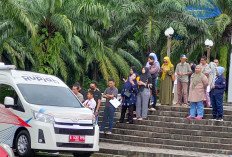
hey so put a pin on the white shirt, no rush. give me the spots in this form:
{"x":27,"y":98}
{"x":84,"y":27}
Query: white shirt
{"x":90,"y":103}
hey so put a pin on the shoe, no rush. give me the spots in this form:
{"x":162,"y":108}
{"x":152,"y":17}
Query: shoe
{"x":213,"y":118}
{"x":140,"y":118}
{"x":108,"y":132}
{"x":56,"y":153}
{"x":219,"y":119}
{"x":135,"y":118}
{"x":178,"y":105}
{"x":190,"y":117}
{"x":152,"y":109}
{"x":198,"y":117}
{"x":129,"y":122}
{"x":101,"y":132}
{"x":185,"y":105}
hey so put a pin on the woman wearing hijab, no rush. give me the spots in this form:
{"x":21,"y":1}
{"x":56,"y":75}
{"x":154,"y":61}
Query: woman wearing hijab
{"x":217,"y":93}
{"x":198,"y":85}
{"x":143,"y":94}
{"x":133,"y":70}
{"x":128,"y":96}
{"x":166,"y":72}
{"x":155,"y":59}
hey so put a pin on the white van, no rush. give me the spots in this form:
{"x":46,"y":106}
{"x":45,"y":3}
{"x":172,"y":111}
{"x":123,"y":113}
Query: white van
{"x":40,"y":113}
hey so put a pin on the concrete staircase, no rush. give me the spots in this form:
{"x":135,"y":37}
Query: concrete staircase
{"x":167,"y":132}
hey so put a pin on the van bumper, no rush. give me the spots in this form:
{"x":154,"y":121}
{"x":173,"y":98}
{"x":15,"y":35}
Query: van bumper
{"x":60,"y":142}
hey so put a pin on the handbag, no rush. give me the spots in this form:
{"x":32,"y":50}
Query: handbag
{"x":173,"y":76}
{"x":127,"y":94}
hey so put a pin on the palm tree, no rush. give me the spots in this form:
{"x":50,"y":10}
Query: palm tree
{"x":138,"y":26}
{"x":64,"y":37}
{"x":221,"y":28}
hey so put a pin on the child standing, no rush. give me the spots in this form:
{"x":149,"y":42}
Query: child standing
{"x":90,"y":103}
{"x":217,"y":93}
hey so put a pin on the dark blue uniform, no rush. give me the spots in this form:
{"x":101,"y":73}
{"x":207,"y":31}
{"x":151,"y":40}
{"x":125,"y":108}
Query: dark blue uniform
{"x":216,"y":96}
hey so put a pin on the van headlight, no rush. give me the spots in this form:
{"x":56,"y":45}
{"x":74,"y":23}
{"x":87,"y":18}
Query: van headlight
{"x":43,"y":117}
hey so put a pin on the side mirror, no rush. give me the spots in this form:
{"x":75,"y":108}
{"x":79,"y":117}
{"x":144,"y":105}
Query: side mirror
{"x":9,"y":101}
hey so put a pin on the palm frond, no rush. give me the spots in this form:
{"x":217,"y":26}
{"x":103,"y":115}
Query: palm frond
{"x":221,"y":22}
{"x":63,"y":23}
{"x":13,"y":10}
{"x":131,"y":59}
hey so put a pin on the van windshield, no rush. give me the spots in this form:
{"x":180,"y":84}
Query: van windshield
{"x":49,"y":95}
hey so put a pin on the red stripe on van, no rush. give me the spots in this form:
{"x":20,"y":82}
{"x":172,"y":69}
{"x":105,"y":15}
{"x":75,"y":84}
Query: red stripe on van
{"x":7,"y":117}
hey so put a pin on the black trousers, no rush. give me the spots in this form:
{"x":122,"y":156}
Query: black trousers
{"x":130,"y":114}
{"x":153,"y":89}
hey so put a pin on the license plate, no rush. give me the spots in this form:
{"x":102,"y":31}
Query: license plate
{"x":74,"y":138}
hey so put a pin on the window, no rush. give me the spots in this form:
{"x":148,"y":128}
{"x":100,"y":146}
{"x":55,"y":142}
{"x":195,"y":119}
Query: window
{"x":49,"y":95}
{"x":6,"y":90}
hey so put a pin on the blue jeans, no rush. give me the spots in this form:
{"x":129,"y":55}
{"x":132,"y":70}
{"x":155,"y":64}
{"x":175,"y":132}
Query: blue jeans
{"x":108,"y":116}
{"x":197,"y":106}
{"x":217,"y":104}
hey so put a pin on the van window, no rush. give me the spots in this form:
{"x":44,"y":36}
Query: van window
{"x":49,"y":95}
{"x":6,"y":90}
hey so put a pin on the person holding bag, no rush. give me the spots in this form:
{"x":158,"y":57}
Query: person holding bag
{"x":128,"y":96}
{"x":167,"y":77}
{"x":145,"y":83}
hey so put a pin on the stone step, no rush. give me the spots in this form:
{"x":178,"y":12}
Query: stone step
{"x":136,"y":151}
{"x":227,"y":110}
{"x":186,"y":109}
{"x":153,"y":114}
{"x":106,"y":153}
{"x":169,"y":130}
{"x":191,"y":121}
{"x":224,"y":126}
{"x":195,"y":144}
{"x":184,"y":114}
{"x":172,"y":136}
{"x":211,"y":152}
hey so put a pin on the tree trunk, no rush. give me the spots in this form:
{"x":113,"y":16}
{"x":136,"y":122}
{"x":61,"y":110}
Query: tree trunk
{"x":168,"y":46}
{"x":208,"y":54}
{"x":230,"y":75}
{"x":95,"y":70}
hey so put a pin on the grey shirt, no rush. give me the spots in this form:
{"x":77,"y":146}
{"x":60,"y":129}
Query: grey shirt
{"x":80,"y":97}
{"x":205,"y":69}
{"x":183,"y":68}
{"x":110,"y":91}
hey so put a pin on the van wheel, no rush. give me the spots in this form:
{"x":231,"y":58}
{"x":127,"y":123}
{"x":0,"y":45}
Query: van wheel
{"x":23,"y":144}
{"x":82,"y":154}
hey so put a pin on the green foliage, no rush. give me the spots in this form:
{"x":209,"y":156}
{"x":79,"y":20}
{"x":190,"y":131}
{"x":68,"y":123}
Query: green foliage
{"x":99,"y":39}
{"x":223,"y":57}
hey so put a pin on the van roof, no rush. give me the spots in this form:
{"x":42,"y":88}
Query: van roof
{"x":27,"y":77}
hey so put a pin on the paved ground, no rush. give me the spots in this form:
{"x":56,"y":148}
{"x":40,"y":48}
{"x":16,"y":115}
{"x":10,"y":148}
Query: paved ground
{"x":157,"y":150}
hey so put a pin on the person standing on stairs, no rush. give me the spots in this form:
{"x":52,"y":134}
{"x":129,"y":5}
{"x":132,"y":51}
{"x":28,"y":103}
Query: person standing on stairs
{"x":110,"y":93}
{"x":145,"y":83}
{"x":183,"y":69}
{"x":167,"y":70}
{"x":206,"y":71}
{"x":154,"y":70}
{"x":216,"y":94}
{"x":198,"y":85}
{"x":97,"y":97}
{"x":128,"y":97}
{"x":133,"y":70}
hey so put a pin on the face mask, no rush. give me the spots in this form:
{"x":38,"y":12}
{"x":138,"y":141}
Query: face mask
{"x":151,"y":63}
{"x":91,"y":88}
